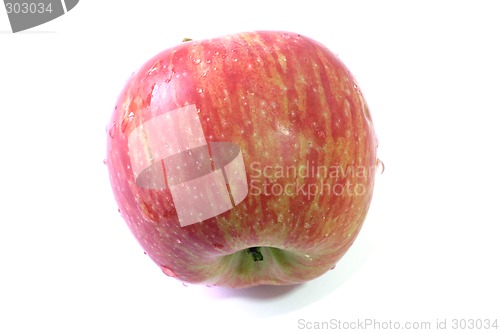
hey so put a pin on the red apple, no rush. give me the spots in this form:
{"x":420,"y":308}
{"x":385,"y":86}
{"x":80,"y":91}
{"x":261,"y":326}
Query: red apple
{"x":243,"y":160}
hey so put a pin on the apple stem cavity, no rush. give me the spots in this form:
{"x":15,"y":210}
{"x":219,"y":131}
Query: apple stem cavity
{"x":256,"y":254}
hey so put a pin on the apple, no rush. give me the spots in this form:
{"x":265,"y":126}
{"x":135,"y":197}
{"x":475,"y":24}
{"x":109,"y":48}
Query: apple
{"x":243,"y":160}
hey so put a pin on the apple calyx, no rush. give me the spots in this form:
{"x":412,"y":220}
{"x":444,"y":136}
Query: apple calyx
{"x":256,"y":254}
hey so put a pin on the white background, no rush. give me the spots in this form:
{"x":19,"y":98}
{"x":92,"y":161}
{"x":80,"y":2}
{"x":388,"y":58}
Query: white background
{"x":430,"y":245}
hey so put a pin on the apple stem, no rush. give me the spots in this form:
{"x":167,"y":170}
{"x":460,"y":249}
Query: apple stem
{"x":256,"y":254}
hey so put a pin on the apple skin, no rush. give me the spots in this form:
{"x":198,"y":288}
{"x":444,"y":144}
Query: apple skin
{"x":289,"y":104}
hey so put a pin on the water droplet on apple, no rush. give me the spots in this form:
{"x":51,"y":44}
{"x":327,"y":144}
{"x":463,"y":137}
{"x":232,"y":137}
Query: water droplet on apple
{"x":168,"y":272}
{"x":169,"y":78}
{"x":153,"y":69}
{"x":380,"y":166}
{"x":283,"y":129}
{"x":211,"y":285}
{"x":178,"y":241}
{"x":333,"y":267}
{"x":111,"y":130}
{"x":197,"y":61}
{"x":105,"y":161}
{"x":199,"y":90}
{"x":184,"y":284}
